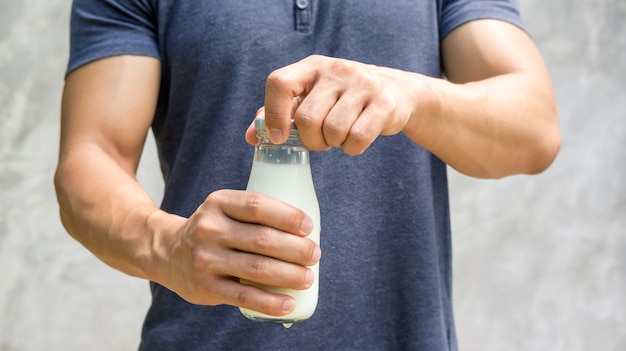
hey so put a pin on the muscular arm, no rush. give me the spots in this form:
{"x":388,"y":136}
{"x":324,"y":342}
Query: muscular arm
{"x":107,"y":109}
{"x":494,"y":116}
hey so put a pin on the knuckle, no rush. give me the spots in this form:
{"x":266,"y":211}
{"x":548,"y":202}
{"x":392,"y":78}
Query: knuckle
{"x":304,"y":117}
{"x":368,"y":82}
{"x":357,"y":141}
{"x":243,"y":297}
{"x":201,"y":260}
{"x":263,"y":238}
{"x":215,"y":198}
{"x":254,"y":205}
{"x":315,"y":57}
{"x":333,"y":131}
{"x":310,"y":130}
{"x":315,"y":60}
{"x":341,"y":68}
{"x":360,"y":135}
{"x":258,"y":266}
{"x":279,"y":77}
{"x":203,"y":226}
{"x":246,"y":297}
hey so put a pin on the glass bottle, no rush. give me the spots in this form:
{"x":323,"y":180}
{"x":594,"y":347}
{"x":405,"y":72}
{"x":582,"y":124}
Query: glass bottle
{"x":284,"y":172}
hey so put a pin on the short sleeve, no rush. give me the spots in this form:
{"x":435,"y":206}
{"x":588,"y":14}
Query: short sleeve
{"x":104,"y":28}
{"x":455,"y":13}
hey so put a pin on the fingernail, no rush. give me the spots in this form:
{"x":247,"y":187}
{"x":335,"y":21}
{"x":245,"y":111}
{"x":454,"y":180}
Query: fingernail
{"x":317,"y":253}
{"x":276,"y":136}
{"x":307,"y":225}
{"x":309,"y":277}
{"x":289,"y":305}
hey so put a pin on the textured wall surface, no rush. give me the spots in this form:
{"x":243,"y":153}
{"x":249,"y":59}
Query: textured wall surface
{"x":540,"y":262}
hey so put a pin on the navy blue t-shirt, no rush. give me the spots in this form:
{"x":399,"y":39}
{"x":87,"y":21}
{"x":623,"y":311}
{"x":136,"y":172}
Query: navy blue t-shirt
{"x":385,"y":274}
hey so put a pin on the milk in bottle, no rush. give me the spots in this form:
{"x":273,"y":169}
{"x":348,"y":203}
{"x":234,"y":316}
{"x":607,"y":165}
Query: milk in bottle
{"x":284,"y":172}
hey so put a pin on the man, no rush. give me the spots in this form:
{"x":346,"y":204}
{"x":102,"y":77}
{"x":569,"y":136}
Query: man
{"x":363,"y":81}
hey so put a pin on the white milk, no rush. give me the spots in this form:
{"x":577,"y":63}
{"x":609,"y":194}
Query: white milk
{"x":292,"y":184}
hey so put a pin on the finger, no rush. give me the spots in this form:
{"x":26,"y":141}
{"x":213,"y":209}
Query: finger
{"x":340,"y":119}
{"x":251,"y":131}
{"x":251,"y":135}
{"x":281,"y":87}
{"x":253,"y":207}
{"x":267,"y":271}
{"x":364,"y":131}
{"x":250,"y":297}
{"x":296,"y":103}
{"x":272,"y":243}
{"x":311,"y":113}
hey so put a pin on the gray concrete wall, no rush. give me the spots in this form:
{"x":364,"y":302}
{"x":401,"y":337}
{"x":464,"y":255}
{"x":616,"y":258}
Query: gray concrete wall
{"x":540,"y":262}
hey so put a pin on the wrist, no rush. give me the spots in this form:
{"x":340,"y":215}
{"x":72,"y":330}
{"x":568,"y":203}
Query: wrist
{"x":161,"y":227}
{"x":426,"y":102}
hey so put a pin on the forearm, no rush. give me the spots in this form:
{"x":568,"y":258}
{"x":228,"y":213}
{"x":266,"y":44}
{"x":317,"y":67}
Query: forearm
{"x":232,"y":235}
{"x":489,"y":129}
{"x":104,"y":208}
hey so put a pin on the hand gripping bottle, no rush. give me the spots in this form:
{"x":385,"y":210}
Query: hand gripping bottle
{"x":284,"y":172}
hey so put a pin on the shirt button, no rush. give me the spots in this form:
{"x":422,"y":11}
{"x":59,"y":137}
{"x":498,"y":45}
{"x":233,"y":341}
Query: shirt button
{"x":302,"y":4}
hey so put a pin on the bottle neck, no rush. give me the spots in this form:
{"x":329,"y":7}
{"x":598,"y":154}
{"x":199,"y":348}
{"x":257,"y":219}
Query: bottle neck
{"x":291,"y":152}
{"x":292,"y":141}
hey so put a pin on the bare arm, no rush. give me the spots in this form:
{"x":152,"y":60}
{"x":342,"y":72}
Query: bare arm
{"x":494,"y":116}
{"x":499,"y":117}
{"x":105,"y":120}
{"x":108,"y":106}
